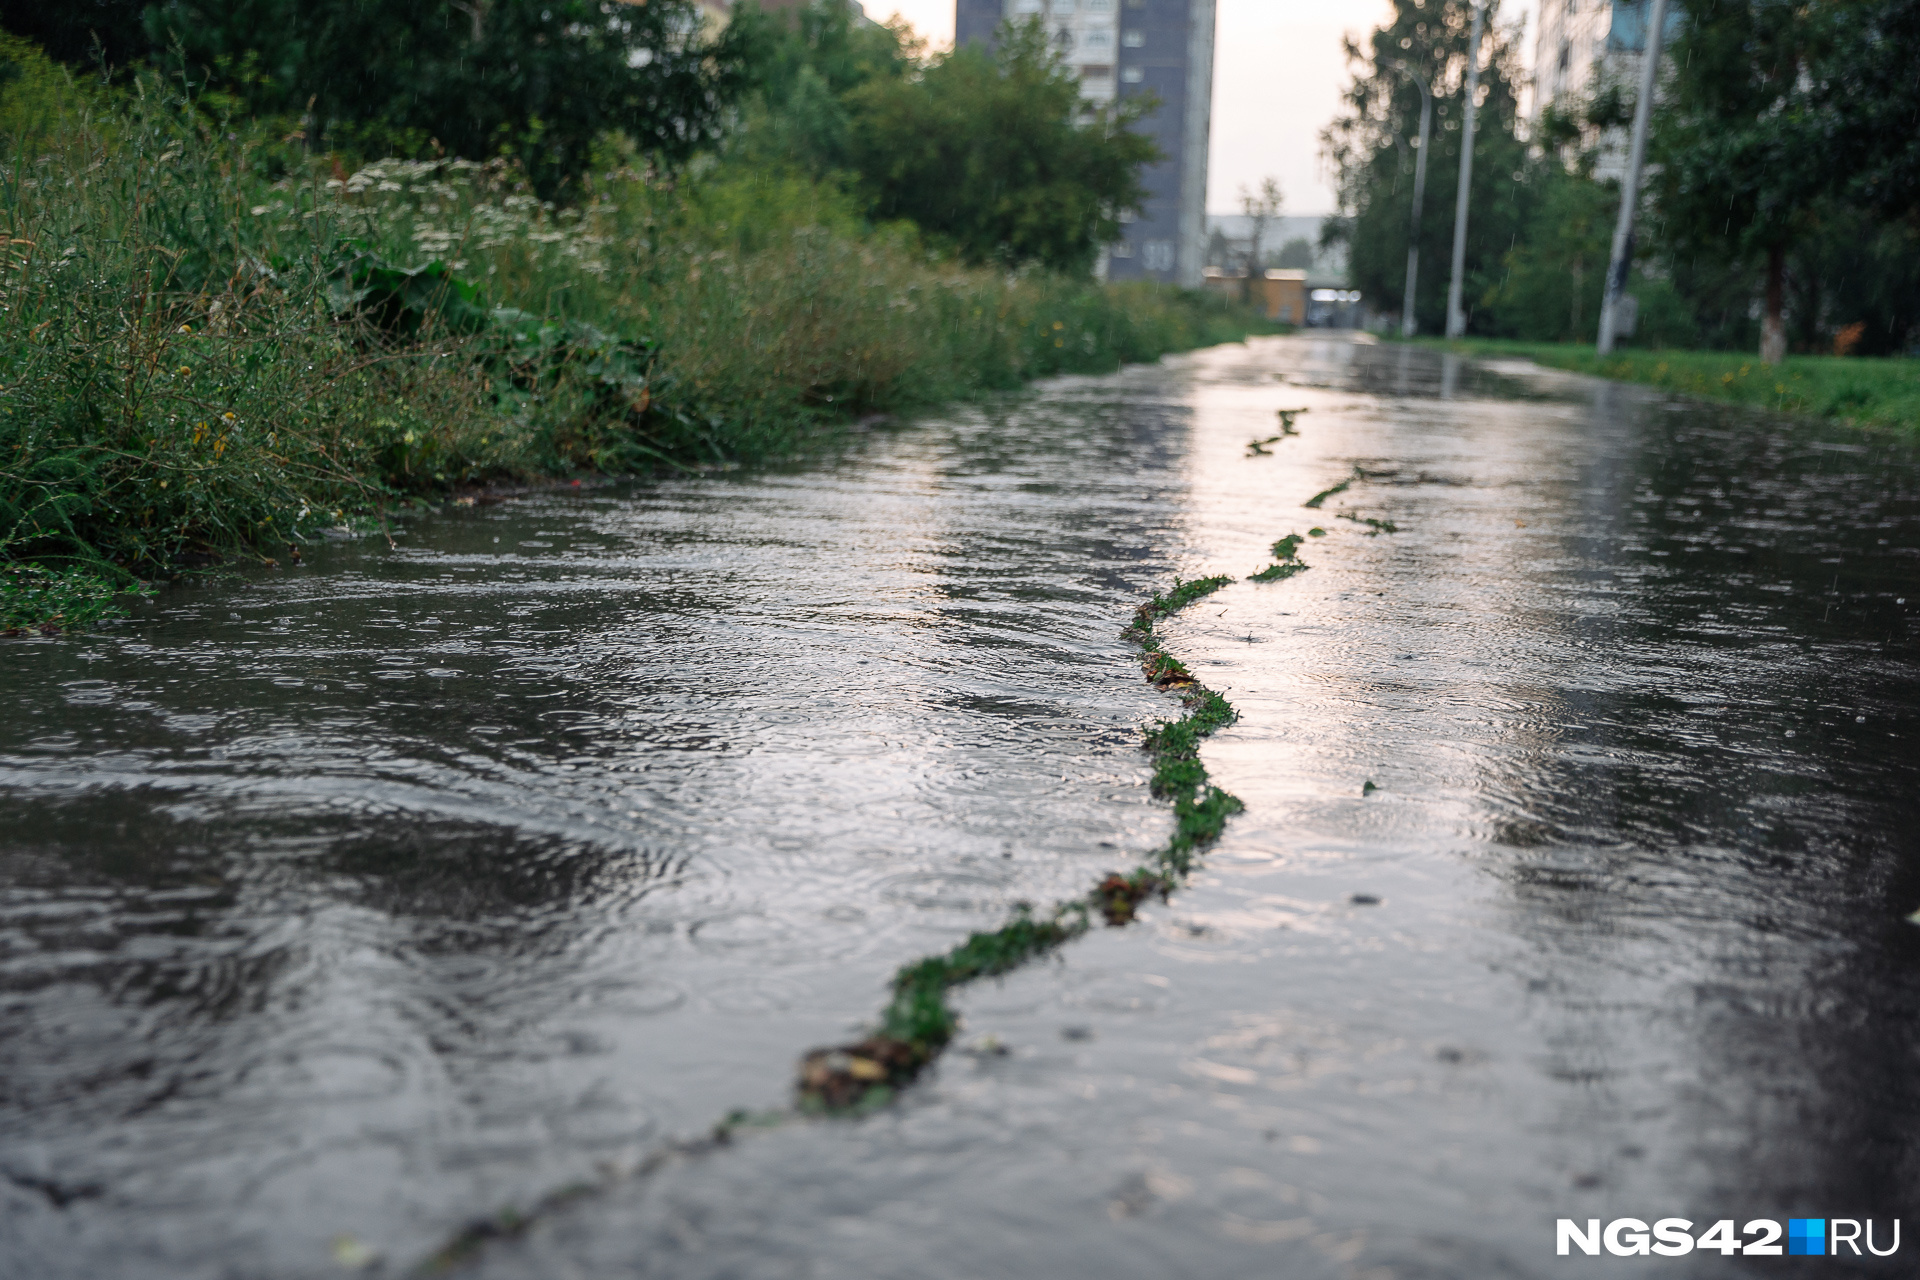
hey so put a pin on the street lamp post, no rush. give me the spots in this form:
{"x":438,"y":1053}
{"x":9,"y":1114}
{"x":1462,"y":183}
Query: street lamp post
{"x":1622,"y":257}
{"x":1407,"y":324}
{"x":1456,"y":316}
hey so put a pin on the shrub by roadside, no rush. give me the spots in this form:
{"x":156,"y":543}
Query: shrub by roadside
{"x":214,"y":345}
{"x":53,"y":600}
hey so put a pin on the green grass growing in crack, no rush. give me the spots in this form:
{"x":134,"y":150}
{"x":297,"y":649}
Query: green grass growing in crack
{"x":1200,"y":809}
{"x":919,"y":1014}
{"x":1288,"y":548}
{"x":1184,"y":593}
{"x":1324,"y":494}
{"x":1278,"y":572}
{"x":1286,"y":554}
{"x":919,"y":1021}
{"x":1163,"y":670}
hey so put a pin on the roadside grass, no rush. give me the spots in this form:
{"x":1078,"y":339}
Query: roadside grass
{"x":213,"y":345}
{"x":54,"y":600}
{"x":1881,"y":391}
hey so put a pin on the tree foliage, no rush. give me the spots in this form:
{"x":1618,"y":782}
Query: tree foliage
{"x":1371,"y":147}
{"x":1739,"y":156}
{"x":1260,"y":208}
{"x":992,"y":154}
{"x":79,"y":31}
{"x":1550,"y":281}
{"x":1786,"y":138}
{"x":541,"y":80}
{"x":803,"y":65}
{"x":1784,"y":171}
{"x":1865,"y":97}
{"x":996,"y":154}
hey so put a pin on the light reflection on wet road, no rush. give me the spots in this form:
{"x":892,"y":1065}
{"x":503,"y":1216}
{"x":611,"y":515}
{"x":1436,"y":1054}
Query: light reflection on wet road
{"x":360,"y":900}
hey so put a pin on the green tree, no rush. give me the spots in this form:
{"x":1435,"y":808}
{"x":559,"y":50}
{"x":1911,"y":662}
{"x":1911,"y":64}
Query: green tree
{"x":1551,"y":280}
{"x":538,"y":79}
{"x":1261,"y":208}
{"x":1855,"y":280}
{"x":1742,"y":159}
{"x":996,"y":154}
{"x":75,"y":31}
{"x":1371,"y":148}
{"x":1550,"y":283}
{"x":1296,"y":253}
{"x":1866,"y":99}
{"x":802,"y":64}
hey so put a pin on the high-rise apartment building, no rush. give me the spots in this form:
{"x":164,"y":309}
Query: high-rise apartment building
{"x":1122,"y":47}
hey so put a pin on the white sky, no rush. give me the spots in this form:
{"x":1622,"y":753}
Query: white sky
{"x":1277,"y":76}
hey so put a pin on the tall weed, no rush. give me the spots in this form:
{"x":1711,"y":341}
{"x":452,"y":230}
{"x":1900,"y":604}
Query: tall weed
{"x":211,"y":343}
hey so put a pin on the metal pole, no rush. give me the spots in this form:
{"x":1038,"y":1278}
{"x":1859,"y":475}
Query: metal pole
{"x":1408,"y":327}
{"x":1456,"y":317}
{"x":1622,"y":257}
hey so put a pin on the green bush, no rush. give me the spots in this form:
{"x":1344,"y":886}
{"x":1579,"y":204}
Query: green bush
{"x":52,"y":600}
{"x":38,"y":99}
{"x":215,"y":346}
{"x":175,"y":384}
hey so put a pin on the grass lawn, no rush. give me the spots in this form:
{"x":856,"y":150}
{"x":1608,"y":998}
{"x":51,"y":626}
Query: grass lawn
{"x":1875,"y":391}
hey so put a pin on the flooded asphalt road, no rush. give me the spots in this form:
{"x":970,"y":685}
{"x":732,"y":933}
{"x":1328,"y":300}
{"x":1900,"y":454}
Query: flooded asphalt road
{"x":341,"y":905}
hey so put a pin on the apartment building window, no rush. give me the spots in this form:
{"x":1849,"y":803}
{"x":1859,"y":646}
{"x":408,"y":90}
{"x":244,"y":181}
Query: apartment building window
{"x":1123,"y":248}
{"x":1099,"y":38}
{"x":1099,"y":6}
{"x":1133,"y":37}
{"x":1157,"y":255}
{"x":1063,"y":6}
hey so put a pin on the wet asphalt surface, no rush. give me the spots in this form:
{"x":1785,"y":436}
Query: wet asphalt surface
{"x":341,"y":905}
